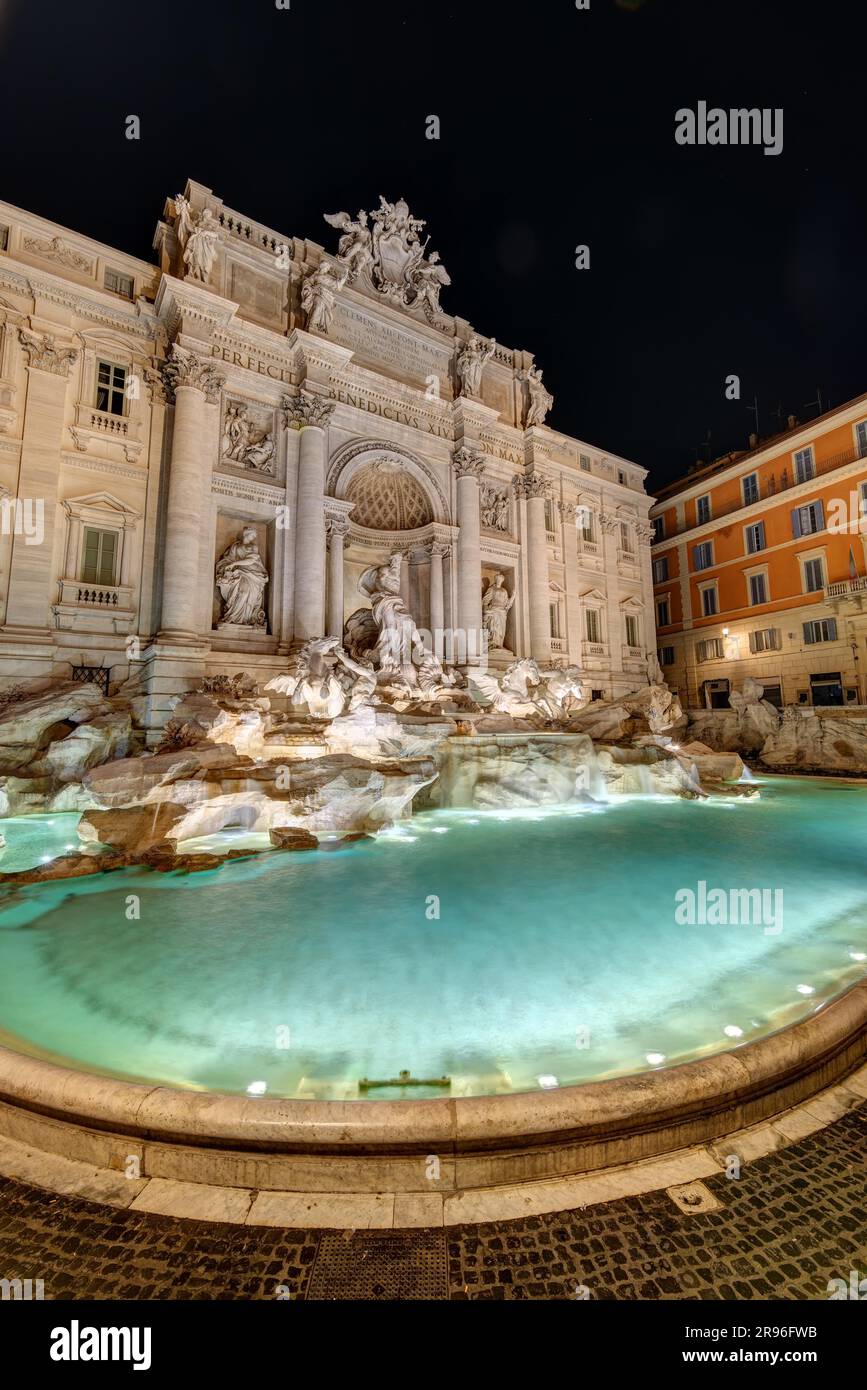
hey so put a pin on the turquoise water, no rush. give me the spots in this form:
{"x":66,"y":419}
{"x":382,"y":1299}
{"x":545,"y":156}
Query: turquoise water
{"x":507,"y":951}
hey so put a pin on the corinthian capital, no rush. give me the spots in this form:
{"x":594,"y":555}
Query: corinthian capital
{"x":610,"y":522}
{"x":307,"y":411}
{"x":43,"y":353}
{"x":186,"y":368}
{"x":644,"y":533}
{"x":468,"y":463}
{"x":532,"y":485}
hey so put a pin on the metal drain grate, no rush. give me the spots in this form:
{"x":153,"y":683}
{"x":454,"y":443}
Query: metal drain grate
{"x":372,"y":1266}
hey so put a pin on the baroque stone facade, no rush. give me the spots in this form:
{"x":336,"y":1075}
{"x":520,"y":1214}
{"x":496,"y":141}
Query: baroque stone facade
{"x":200,"y":459}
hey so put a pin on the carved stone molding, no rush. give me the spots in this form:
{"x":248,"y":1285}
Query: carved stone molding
{"x":186,"y":368}
{"x":337,"y":530}
{"x":438,"y":548}
{"x":609,"y":522}
{"x":53,"y":249}
{"x":468,"y":463}
{"x":307,"y":411}
{"x":644,"y":533}
{"x":569,"y":511}
{"x":44,"y":354}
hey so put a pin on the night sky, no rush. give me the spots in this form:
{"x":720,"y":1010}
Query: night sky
{"x":557,"y":130}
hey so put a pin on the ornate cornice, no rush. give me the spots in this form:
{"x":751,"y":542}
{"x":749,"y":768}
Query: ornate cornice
{"x":186,"y":368}
{"x":307,"y":411}
{"x":43,"y":353}
{"x":468,"y":463}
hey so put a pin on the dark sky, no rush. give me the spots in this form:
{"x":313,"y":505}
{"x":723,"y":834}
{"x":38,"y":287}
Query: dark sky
{"x":557,"y":129}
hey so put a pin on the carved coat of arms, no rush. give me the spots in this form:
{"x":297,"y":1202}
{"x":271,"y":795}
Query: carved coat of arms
{"x":384,"y":250}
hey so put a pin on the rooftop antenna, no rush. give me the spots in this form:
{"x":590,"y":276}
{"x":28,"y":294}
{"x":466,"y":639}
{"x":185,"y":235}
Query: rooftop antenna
{"x":754,"y":410}
{"x":817,"y":401}
{"x":704,"y":445}
{"x":778,"y":416}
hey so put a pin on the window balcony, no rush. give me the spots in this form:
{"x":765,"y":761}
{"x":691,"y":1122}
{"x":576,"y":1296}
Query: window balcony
{"x":854,"y":590}
{"x":627,"y":559}
{"x":559,"y":646}
{"x":94,"y":607}
{"x":633,"y":656}
{"x":594,"y":653}
{"x":92,"y":425}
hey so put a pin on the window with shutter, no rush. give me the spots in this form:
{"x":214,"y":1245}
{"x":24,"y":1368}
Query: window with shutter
{"x":99,"y":559}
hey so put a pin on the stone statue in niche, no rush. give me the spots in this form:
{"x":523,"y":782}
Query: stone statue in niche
{"x":318,"y":296}
{"x":496,"y":605}
{"x":324,"y":680}
{"x":241,"y":578}
{"x":494,"y":505}
{"x":201,"y":247}
{"x":471,"y":363}
{"x":540,"y":398}
{"x":245,"y":445}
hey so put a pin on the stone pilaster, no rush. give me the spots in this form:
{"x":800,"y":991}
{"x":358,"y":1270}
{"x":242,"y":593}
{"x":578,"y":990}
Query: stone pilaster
{"x":469,"y":467}
{"x":644,"y":537}
{"x":31,"y":512}
{"x":536,"y":490}
{"x":310,"y":414}
{"x":195,"y":383}
{"x":570,"y":516}
{"x":438,"y":553}
{"x":338,"y":540}
{"x":616,"y":634}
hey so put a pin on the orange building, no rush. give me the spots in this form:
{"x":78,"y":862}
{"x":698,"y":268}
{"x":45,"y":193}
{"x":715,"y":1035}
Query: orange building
{"x":759,"y":565}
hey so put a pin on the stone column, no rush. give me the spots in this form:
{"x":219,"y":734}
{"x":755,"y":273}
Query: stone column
{"x":33,"y":507}
{"x":644,"y":537}
{"x":338,"y":540}
{"x":570,"y":516}
{"x":469,"y":467}
{"x":287,"y":527}
{"x":438,"y":552}
{"x":536,"y":491}
{"x":196,"y":385}
{"x":310,"y":414}
{"x":405,"y":586}
{"x":615,"y":637}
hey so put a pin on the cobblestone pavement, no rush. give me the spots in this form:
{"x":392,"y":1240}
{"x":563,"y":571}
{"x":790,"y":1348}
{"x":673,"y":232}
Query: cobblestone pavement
{"x":791,"y":1222}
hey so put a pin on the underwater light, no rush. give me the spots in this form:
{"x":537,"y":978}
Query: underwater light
{"x":440,"y":830}
{"x":46,"y":859}
{"x":257,"y":1088}
{"x":548,"y":1083}
{"x":656,"y":1058}
{"x":806,"y":989}
{"x":857,"y":955}
{"x":733,"y":1031}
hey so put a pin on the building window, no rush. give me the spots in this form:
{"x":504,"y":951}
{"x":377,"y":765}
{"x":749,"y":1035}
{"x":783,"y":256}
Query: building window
{"x":702,"y":555}
{"x":585,"y":462}
{"x":814,"y":575}
{"x":765,"y":639}
{"x":99,"y":556}
{"x":663,"y":612}
{"x":621,"y":477}
{"x":4,"y":238}
{"x":554,"y":615}
{"x":808,"y":519}
{"x":110,"y":388}
{"x":821,"y":630}
{"x":119,"y":283}
{"x":755,"y":537}
{"x":666,"y":656}
{"x":632,"y":638}
{"x":587,"y":527}
{"x":758,"y":586}
{"x":594,"y":627}
{"x":710,"y":650}
{"x":625,"y":538}
{"x":860,"y":430}
{"x":709,"y":602}
{"x":805,"y":468}
{"x":660,"y":570}
{"x":550,"y":516}
{"x":702,"y":510}
{"x":750,"y":489}
{"x":659,"y":528}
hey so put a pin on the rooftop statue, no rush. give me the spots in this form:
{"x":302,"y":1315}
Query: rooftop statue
{"x":384,"y":249}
